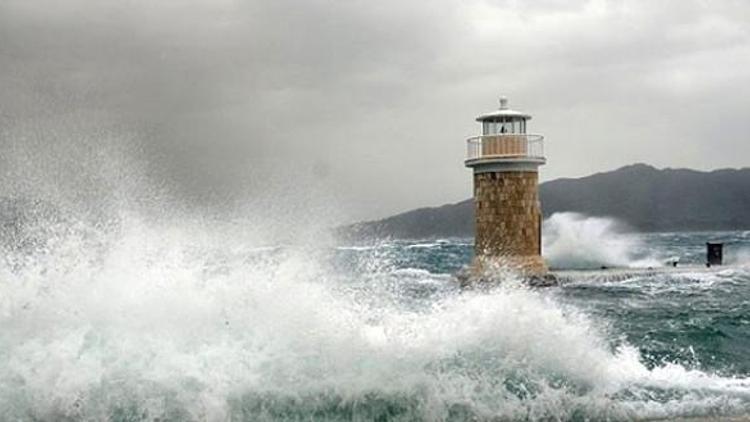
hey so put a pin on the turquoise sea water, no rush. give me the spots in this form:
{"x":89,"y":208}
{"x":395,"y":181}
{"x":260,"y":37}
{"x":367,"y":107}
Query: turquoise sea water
{"x":164,"y":324}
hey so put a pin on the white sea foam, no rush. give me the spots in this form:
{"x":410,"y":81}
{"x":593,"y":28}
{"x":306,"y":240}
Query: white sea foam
{"x":576,"y":241}
{"x":151,"y":322}
{"x":426,"y":245}
{"x":737,"y":256}
{"x":356,"y":248}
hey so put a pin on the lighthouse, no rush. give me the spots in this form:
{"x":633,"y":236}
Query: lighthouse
{"x":505,"y":160}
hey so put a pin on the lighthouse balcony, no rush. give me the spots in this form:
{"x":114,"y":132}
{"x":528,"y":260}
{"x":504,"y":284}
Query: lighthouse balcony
{"x":505,"y":147}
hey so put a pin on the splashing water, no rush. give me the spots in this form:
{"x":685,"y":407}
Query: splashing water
{"x":146,"y":323}
{"x":576,"y":241}
{"x":738,"y":256}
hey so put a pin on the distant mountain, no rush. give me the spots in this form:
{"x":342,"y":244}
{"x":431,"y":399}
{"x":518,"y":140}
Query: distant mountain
{"x":644,"y":197}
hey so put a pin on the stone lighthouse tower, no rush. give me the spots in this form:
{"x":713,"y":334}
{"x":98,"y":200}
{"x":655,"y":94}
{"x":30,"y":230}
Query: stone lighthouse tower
{"x":505,"y":160}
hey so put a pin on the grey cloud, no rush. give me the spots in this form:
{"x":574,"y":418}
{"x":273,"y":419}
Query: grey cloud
{"x":365,"y":104}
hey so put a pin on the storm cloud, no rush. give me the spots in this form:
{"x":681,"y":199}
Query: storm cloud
{"x":359,"y":106}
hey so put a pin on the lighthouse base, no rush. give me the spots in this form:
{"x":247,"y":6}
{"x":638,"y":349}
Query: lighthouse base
{"x":494,"y":270}
{"x":528,"y":265}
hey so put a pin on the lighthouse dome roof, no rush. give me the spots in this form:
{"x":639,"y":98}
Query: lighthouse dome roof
{"x":503,"y":111}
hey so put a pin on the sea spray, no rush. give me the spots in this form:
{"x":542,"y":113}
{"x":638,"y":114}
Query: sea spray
{"x":576,"y":241}
{"x":168,"y":322}
{"x":737,"y":255}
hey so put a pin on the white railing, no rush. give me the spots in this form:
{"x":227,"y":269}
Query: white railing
{"x":505,"y":146}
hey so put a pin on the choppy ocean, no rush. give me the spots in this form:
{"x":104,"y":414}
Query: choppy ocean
{"x":148,"y":323}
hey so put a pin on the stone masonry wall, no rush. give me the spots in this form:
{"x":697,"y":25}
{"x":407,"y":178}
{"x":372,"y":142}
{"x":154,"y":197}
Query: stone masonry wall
{"x":507,"y":214}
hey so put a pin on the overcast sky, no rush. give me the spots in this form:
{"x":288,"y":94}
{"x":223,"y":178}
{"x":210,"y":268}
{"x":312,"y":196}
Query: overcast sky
{"x":364,"y":103}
